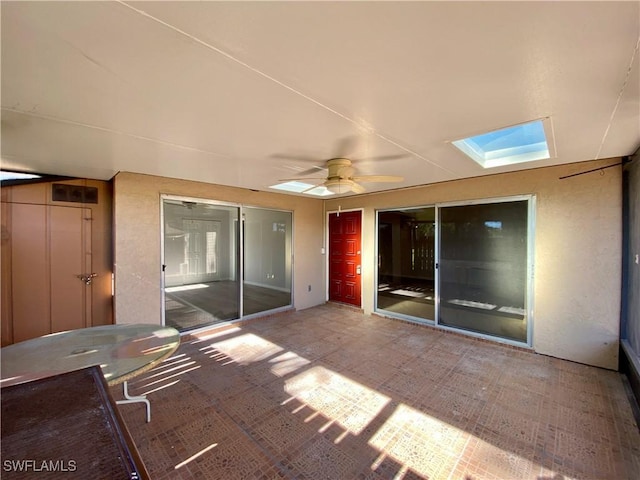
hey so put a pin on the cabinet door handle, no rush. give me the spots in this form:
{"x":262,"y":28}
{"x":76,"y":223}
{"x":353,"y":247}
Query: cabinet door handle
{"x":87,"y":278}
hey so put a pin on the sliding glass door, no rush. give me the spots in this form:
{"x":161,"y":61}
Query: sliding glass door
{"x":223,"y":262}
{"x":267,"y":260}
{"x":201,"y":281}
{"x":406,"y":256}
{"x":483,"y":268}
{"x":463,"y":266}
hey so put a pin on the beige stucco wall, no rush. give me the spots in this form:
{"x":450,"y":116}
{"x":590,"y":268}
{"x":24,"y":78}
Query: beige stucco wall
{"x":138,"y":296}
{"x":578,"y":235}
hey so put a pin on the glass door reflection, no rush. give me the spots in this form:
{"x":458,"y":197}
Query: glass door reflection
{"x":406,"y":260}
{"x":267,"y":264}
{"x":483,"y":268}
{"x":201,"y":281}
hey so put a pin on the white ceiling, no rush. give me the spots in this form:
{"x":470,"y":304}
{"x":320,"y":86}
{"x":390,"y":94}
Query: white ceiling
{"x":246,"y":93}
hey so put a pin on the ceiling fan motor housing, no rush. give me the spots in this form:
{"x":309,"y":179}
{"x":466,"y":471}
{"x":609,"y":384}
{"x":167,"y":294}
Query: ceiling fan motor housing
{"x":339,"y":168}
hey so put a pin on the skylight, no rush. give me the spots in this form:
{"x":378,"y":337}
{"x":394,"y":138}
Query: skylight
{"x":17,"y":176}
{"x":300,"y":187}
{"x":526,"y":142}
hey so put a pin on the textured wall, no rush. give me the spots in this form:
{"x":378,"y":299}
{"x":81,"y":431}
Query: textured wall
{"x":137,"y":240}
{"x":577,"y":250}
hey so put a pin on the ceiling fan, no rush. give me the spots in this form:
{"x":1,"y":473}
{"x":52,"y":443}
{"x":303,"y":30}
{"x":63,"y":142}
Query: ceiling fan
{"x":341,"y":179}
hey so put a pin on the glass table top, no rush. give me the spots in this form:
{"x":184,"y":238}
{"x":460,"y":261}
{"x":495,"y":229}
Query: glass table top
{"x":122,"y":351}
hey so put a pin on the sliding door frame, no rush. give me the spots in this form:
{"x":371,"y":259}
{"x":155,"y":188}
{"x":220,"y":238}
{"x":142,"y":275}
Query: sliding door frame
{"x":529,"y":288}
{"x":530,"y":266}
{"x":402,"y":316}
{"x":183,"y":198}
{"x":291,"y":274}
{"x":238,"y":244}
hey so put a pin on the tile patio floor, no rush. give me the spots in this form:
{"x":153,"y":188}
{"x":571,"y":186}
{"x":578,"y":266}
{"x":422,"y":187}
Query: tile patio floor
{"x":330,"y":393}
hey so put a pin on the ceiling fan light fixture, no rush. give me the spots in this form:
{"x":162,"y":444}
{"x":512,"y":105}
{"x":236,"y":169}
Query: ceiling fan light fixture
{"x":338,"y":185}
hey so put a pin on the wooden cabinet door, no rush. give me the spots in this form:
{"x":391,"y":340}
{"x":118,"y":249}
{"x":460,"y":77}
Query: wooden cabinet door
{"x":48,"y":250}
{"x":70,"y":260}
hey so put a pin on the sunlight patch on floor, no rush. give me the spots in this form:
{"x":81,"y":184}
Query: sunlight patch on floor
{"x":184,"y":288}
{"x":423,"y":444}
{"x":287,"y":363}
{"x":246,"y":348}
{"x":343,"y":401}
{"x":210,"y":334}
{"x":193,"y":457}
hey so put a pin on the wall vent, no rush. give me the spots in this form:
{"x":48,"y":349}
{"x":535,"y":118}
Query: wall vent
{"x":62,"y":192}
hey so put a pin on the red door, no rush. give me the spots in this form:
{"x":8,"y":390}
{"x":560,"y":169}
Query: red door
{"x":344,"y":257}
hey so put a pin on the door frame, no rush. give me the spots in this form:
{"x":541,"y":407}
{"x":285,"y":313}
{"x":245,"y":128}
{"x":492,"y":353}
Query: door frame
{"x":327,"y":239}
{"x":164,"y":197}
{"x":529,"y":288}
{"x":376,"y":277}
{"x":237,"y":246}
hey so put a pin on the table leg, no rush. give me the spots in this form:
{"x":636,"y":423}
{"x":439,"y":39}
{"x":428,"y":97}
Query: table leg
{"x":135,"y":399}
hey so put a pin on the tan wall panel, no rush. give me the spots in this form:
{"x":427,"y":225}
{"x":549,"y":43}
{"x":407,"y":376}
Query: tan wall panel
{"x":30,"y":272}
{"x":98,"y":240}
{"x":577,"y":250}
{"x":35,"y":193}
{"x":68,"y":310}
{"x":6,"y":330}
{"x":138,"y":243}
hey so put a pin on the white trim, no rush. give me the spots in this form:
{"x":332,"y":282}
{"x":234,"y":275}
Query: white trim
{"x":482,"y":201}
{"x":239,"y":254}
{"x":163,"y":300}
{"x":485,"y":336}
{"x":531,"y":266}
{"x":436,"y":266}
{"x":208,"y":201}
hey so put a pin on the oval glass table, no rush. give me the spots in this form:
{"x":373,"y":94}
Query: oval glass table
{"x":122,"y":351}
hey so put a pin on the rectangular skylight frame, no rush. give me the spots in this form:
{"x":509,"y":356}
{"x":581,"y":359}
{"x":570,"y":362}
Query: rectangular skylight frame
{"x":302,"y":187}
{"x":510,"y":147}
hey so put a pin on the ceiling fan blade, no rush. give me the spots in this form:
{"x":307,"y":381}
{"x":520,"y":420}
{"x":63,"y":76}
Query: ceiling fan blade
{"x":382,"y":158}
{"x":357,"y":188}
{"x":299,"y":158}
{"x":378,"y":178}
{"x":313,"y":170}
